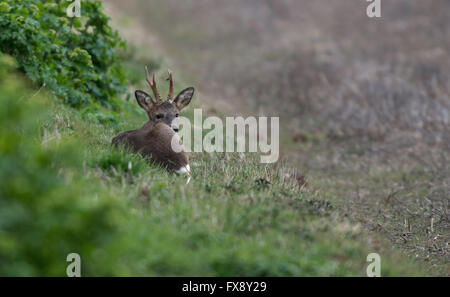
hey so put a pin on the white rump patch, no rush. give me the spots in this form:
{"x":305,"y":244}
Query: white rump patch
{"x":184,"y":170}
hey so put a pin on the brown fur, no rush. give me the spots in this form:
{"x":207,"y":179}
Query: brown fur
{"x":155,"y":144}
{"x":154,"y":139}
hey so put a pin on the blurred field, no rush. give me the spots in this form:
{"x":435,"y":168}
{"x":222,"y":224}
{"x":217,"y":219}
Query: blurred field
{"x":65,"y":189}
{"x":364,"y":109}
{"x":364,"y":103}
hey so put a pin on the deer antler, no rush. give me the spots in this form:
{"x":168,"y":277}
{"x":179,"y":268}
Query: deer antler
{"x":170,"y":79}
{"x":152,"y":85}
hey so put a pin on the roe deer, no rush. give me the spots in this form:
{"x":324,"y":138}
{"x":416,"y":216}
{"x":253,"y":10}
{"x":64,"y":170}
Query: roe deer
{"x":154,"y":139}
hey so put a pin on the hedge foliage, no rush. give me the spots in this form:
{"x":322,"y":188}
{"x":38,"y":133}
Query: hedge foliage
{"x":44,"y":212}
{"x":76,"y":58}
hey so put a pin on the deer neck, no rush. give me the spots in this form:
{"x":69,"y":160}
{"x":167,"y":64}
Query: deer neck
{"x":147,"y":127}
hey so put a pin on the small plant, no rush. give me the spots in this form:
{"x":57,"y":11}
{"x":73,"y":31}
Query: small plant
{"x":120,"y":161}
{"x":74,"y":57}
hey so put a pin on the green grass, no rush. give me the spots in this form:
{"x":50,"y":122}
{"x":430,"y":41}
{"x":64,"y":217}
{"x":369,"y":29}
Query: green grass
{"x":65,"y":189}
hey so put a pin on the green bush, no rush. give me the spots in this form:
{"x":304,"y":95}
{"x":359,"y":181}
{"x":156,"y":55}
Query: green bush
{"x":74,"y":57}
{"x":45,"y":212}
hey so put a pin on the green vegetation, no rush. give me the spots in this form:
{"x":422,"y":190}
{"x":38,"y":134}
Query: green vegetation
{"x":73,"y":57}
{"x":64,"y":189}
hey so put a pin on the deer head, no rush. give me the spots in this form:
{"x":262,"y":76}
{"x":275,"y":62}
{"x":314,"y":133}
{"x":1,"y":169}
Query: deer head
{"x":163,"y":111}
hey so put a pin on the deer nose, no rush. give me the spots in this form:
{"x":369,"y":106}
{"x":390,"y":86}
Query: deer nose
{"x":175,"y":129}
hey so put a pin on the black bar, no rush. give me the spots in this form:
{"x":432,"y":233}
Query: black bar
{"x":223,"y":286}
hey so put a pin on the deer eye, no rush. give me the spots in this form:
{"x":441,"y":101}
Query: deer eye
{"x":159,"y":116}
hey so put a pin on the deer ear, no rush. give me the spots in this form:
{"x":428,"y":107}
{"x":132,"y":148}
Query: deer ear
{"x":184,"y":98}
{"x":144,"y":100}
